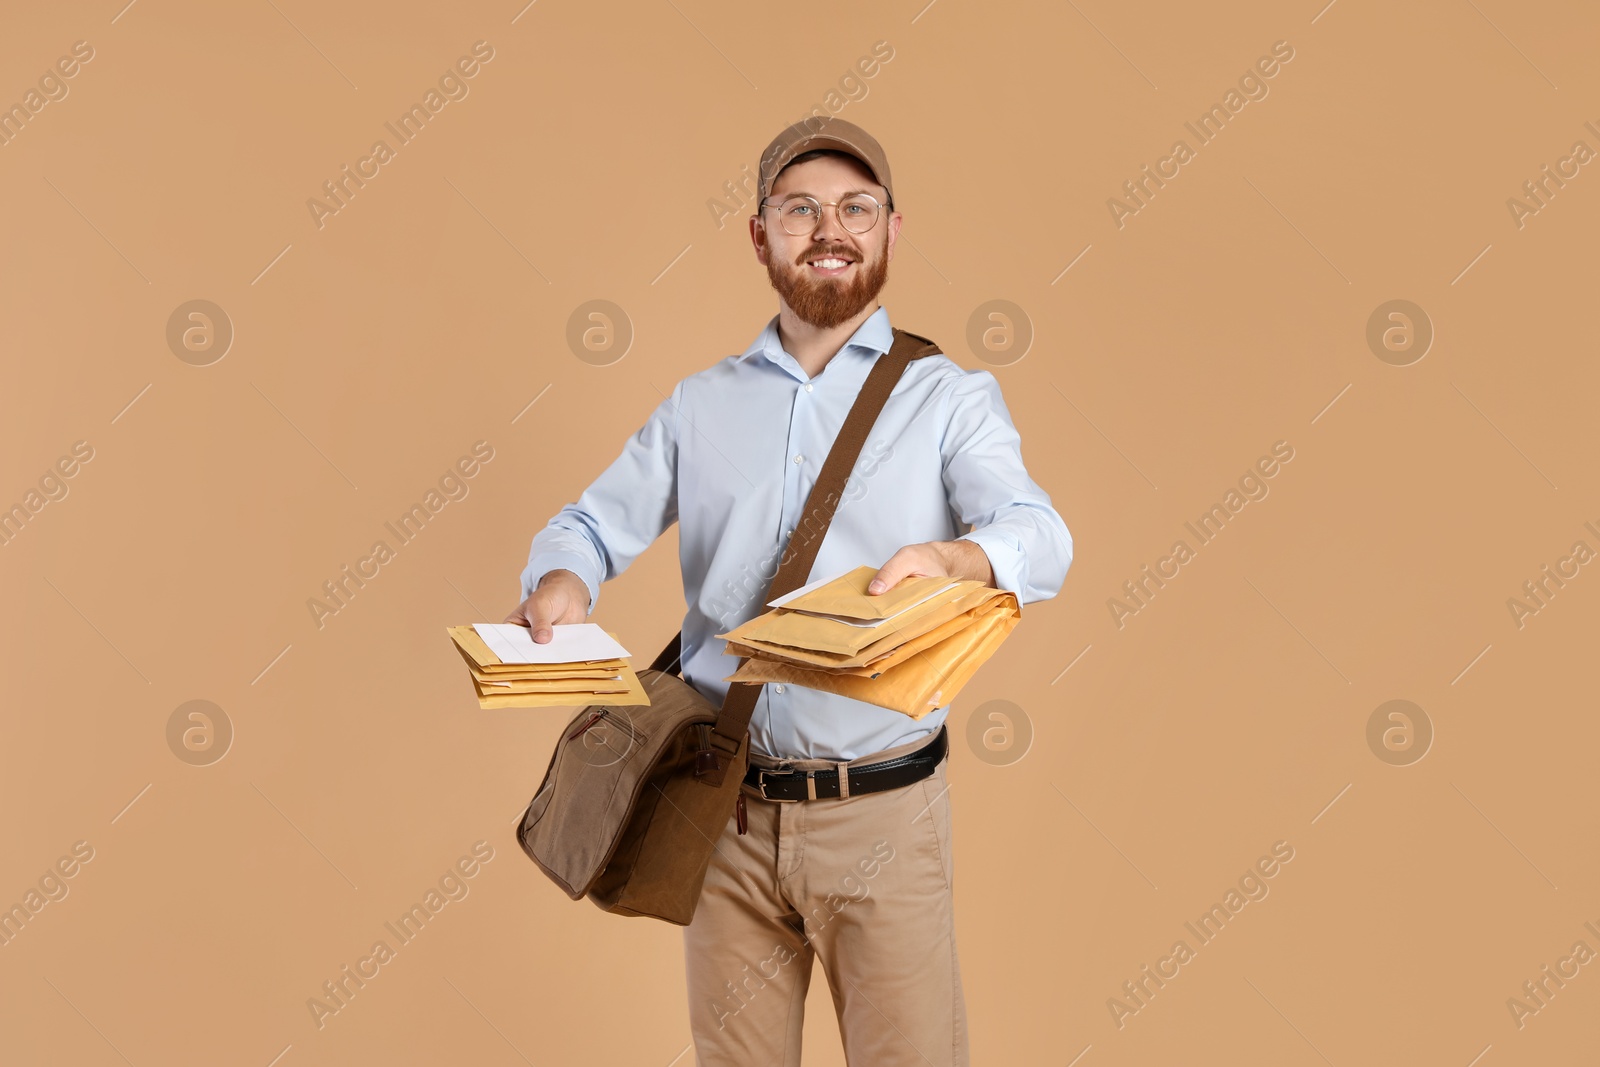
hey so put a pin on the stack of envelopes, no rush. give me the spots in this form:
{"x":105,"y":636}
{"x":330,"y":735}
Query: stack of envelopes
{"x":581,"y":664}
{"x":911,"y":648}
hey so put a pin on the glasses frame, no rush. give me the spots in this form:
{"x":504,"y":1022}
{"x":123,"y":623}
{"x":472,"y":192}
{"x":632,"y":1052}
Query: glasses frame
{"x":820,"y":204}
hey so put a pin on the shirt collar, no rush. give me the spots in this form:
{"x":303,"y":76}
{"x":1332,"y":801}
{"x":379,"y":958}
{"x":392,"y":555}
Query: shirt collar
{"x":874,"y":335}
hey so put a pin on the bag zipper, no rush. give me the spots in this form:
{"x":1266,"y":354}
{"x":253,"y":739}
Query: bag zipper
{"x":620,"y":722}
{"x":599,"y":713}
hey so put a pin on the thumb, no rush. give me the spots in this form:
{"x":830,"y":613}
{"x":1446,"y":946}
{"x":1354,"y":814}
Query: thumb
{"x":539,"y":619}
{"x":887,"y":576}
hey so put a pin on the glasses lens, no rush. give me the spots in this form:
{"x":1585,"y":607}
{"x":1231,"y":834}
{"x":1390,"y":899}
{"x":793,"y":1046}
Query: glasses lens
{"x":858,"y":213}
{"x":799,"y":215}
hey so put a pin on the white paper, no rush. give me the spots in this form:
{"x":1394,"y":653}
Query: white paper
{"x":575,"y":642}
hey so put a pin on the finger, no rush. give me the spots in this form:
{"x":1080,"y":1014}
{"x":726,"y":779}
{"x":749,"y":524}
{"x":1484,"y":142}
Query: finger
{"x":539,"y":619}
{"x":890,"y":573}
{"x":518,"y":615}
{"x":912,"y":561}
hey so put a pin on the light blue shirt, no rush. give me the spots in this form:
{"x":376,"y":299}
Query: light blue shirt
{"x":731,"y":456}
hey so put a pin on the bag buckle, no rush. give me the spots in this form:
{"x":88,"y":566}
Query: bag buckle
{"x":761,"y":784}
{"x":705,"y":757}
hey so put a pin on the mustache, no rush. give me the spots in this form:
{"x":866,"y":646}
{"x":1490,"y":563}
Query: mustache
{"x":847,"y":254}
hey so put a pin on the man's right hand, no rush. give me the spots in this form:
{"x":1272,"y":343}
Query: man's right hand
{"x":561,"y":597}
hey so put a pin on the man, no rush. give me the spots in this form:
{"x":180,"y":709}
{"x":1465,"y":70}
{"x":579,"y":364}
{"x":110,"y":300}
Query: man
{"x":861,"y":876}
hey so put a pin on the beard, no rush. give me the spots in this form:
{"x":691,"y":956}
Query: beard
{"x":827,"y":302}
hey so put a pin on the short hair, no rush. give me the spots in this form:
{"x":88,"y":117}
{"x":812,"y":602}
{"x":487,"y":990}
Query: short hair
{"x":818,"y":153}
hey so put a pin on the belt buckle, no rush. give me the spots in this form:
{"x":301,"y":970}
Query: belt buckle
{"x":761,"y":784}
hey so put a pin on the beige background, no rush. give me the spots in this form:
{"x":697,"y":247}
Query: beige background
{"x":1228,"y":314}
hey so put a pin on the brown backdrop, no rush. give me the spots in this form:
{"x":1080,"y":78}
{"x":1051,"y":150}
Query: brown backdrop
{"x":188,"y":484}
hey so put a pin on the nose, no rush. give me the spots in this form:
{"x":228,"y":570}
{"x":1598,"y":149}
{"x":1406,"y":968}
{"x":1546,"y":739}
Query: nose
{"x":829,"y":228}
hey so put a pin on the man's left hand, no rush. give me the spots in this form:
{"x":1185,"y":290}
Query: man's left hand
{"x":940,"y":559}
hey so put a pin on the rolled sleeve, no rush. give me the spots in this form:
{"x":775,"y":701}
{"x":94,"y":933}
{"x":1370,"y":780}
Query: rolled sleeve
{"x":1005,"y":554}
{"x":1011,"y":517}
{"x":620,"y":514}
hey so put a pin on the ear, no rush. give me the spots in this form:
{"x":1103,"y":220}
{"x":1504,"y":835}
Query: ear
{"x":758,"y":238}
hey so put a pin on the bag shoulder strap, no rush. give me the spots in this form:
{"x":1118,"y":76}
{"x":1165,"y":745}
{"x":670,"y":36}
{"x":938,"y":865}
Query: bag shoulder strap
{"x":801,"y":553}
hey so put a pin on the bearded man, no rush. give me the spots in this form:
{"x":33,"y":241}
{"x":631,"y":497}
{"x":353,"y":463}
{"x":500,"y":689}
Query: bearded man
{"x":857,"y":876}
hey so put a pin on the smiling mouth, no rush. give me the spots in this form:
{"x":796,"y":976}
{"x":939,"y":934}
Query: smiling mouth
{"x":830,"y":266}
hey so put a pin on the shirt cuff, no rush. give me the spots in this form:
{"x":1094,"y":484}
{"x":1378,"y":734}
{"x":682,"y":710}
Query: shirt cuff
{"x":1005,"y":557}
{"x":545,"y":562}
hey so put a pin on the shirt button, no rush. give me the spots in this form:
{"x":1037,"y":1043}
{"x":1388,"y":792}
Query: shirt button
{"x":799,"y":458}
{"x":808,"y":387}
{"x":778,"y":688}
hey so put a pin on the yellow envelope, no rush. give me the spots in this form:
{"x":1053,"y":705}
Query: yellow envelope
{"x":562,"y":671}
{"x":617,"y":684}
{"x":795,"y":629}
{"x":531,"y":685}
{"x":928,"y":680}
{"x":819,"y":642}
{"x":541,"y":676}
{"x":1004,"y":605}
{"x":634,"y":694}
{"x":877,"y":664}
{"x":847,"y":597}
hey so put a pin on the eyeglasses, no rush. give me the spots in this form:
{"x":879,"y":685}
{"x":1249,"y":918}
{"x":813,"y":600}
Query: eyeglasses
{"x":799,"y":214}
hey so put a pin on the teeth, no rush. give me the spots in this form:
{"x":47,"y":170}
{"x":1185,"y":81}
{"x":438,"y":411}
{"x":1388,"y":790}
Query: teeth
{"x":829,"y":264}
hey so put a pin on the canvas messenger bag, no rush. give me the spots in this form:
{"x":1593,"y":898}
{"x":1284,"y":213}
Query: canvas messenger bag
{"x":635,"y":797}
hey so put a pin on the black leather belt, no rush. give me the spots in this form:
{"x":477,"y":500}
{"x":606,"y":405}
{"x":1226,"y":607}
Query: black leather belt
{"x":789,"y":786}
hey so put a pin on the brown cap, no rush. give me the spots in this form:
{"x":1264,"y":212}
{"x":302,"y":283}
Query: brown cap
{"x":816,"y":132}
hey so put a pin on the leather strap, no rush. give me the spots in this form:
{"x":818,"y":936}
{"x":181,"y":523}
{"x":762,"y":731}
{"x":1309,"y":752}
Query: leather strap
{"x":794,"y":569}
{"x":870,"y":778}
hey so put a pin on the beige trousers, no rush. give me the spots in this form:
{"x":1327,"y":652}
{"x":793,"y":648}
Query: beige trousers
{"x":862,"y":883}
